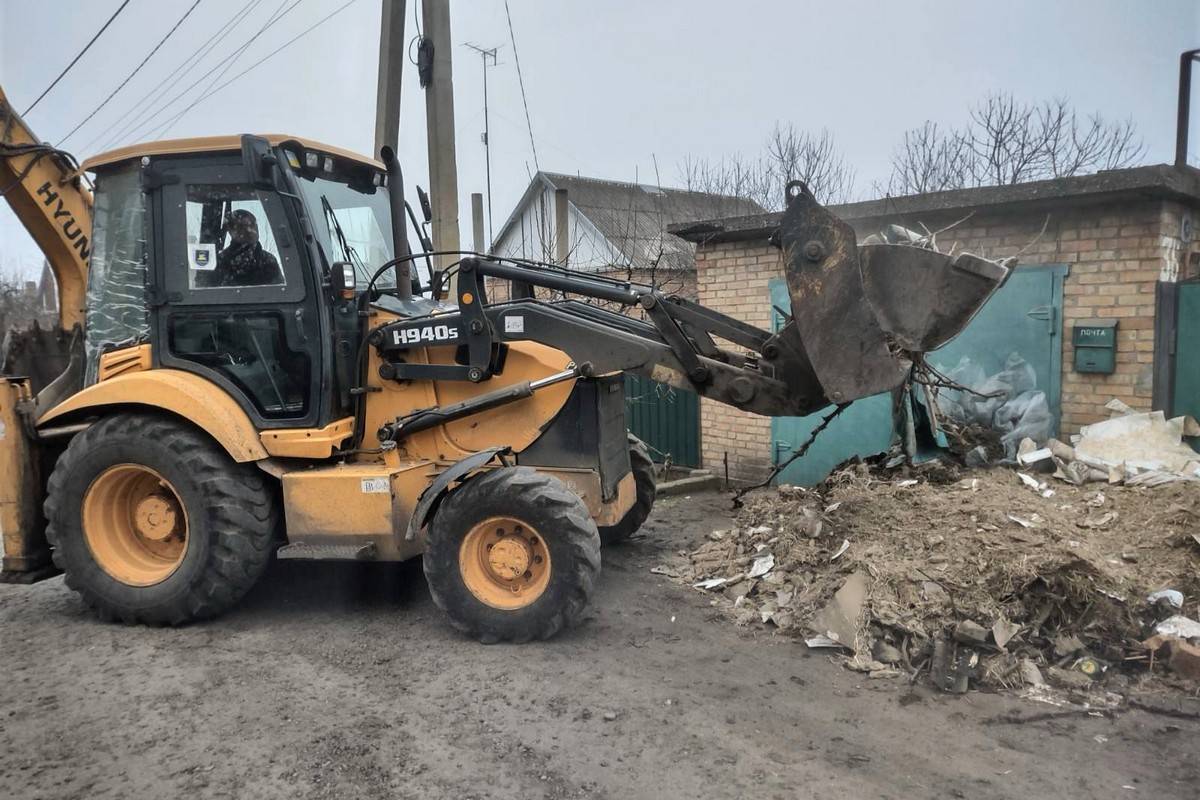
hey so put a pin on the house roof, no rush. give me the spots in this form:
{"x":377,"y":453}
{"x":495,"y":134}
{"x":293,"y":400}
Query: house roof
{"x":1160,"y":181}
{"x":634,"y":217}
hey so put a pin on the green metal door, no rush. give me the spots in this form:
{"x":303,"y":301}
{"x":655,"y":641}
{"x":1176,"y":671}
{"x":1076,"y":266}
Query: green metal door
{"x":665,"y":418}
{"x":1023,"y":317}
{"x":1187,"y":351}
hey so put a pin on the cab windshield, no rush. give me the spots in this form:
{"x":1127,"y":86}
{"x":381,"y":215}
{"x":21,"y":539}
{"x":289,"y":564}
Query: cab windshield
{"x":350,"y":212}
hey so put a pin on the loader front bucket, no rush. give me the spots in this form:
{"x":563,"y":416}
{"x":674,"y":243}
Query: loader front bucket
{"x":923,"y":298}
{"x":860,"y":314}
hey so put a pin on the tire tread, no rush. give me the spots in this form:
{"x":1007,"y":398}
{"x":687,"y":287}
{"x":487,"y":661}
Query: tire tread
{"x":239,"y":505}
{"x":552,"y":499}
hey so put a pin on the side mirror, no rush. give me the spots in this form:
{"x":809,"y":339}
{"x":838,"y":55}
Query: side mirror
{"x":259,"y":160}
{"x":426,"y":209}
{"x":343,"y":282}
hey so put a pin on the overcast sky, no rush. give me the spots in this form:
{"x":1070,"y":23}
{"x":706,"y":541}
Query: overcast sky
{"x":613,"y":87}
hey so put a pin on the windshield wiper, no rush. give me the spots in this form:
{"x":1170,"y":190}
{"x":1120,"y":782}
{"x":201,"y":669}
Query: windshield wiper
{"x":349,"y":252}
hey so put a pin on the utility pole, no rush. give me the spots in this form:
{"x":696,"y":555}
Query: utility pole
{"x":477,"y":222}
{"x":387,"y":93}
{"x":562,"y":229}
{"x":487,"y":142}
{"x":439,"y":115}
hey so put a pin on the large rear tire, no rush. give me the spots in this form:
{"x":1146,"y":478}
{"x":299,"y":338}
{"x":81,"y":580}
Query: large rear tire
{"x":152,"y":522}
{"x":643,"y":475}
{"x":512,"y":555}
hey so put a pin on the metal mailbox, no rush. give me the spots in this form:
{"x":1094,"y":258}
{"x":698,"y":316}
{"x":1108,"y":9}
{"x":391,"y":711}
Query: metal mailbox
{"x":1095,"y":342}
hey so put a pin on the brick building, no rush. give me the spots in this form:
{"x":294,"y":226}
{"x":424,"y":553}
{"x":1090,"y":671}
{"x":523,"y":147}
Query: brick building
{"x":1125,"y":240}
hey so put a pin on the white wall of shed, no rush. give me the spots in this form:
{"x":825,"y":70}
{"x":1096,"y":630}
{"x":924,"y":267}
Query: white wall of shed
{"x":532,"y":236}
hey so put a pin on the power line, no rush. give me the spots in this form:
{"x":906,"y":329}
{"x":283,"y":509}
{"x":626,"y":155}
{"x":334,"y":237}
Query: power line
{"x":149,"y":119}
{"x":152,"y":96}
{"x":286,"y":44}
{"x":137,"y":69}
{"x":521,"y":80}
{"x":81,"y":52}
{"x":275,"y":17}
{"x":148,"y":123}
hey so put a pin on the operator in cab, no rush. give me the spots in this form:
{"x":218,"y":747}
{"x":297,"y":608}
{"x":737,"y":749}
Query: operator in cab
{"x":244,"y":262}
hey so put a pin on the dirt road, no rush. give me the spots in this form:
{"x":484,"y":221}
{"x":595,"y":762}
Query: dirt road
{"x":342,"y":681}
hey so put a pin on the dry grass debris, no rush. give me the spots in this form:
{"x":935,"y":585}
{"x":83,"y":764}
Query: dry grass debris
{"x":1029,"y":584}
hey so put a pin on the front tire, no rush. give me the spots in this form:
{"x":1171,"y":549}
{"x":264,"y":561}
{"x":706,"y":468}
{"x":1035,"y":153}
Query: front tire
{"x":512,"y":555}
{"x":643,"y":474}
{"x":153,"y":522}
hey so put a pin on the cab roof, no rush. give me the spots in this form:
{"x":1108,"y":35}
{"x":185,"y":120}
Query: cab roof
{"x":213,"y":144}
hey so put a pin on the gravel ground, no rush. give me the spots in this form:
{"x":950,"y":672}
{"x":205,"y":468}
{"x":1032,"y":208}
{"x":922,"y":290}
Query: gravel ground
{"x":342,"y":680}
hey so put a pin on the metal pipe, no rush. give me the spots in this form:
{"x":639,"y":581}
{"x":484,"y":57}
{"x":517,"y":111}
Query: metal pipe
{"x":1184,"y":111}
{"x":395,"y":186}
{"x":433,"y":417}
{"x":571,"y":284}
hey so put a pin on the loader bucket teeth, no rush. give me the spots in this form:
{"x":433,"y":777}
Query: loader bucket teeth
{"x":861,"y":314}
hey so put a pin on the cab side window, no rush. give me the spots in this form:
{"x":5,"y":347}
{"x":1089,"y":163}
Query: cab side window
{"x":230,"y":243}
{"x":233,"y":299}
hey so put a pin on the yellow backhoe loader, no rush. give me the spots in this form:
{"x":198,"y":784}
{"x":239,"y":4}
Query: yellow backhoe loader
{"x":246,"y":366}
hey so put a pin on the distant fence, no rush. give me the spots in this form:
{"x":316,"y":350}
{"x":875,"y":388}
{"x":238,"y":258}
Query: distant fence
{"x":665,"y":418}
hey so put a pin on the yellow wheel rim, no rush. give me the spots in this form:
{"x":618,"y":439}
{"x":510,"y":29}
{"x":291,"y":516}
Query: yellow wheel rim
{"x":135,"y":524}
{"x":505,"y":563}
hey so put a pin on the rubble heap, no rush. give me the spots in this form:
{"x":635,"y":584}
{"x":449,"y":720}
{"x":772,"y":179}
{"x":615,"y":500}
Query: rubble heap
{"x":988,"y":576}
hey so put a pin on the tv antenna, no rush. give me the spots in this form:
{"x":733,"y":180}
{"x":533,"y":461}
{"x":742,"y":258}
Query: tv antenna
{"x":488,"y":56}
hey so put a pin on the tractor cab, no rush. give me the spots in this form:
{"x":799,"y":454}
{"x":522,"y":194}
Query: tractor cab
{"x":237,"y":259}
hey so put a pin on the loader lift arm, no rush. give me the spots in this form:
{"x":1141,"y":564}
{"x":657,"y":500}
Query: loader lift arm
{"x":44,"y":187}
{"x":860,"y":317}
{"x":675,"y":347}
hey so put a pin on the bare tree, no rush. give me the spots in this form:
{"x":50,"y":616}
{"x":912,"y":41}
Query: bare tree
{"x":799,"y":155}
{"x":734,"y":175}
{"x":18,"y":303}
{"x":788,"y":154}
{"x":932,"y":159}
{"x":1007,"y":142}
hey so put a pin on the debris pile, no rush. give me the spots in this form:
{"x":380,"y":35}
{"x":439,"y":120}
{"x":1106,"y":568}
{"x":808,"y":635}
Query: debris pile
{"x":974,"y":578}
{"x":1130,"y":448}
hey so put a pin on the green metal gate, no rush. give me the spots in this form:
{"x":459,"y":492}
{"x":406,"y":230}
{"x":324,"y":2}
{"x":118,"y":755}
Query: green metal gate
{"x":665,"y":418}
{"x":1187,"y":351}
{"x":1022,"y":317}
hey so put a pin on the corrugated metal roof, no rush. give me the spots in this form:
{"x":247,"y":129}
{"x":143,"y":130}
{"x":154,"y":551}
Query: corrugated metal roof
{"x":634,"y":217}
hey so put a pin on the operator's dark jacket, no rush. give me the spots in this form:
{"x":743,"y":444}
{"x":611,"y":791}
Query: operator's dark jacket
{"x":243,"y":264}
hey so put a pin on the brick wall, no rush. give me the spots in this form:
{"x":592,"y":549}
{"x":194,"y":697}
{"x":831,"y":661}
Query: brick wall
{"x":732,"y":278}
{"x":1115,"y":254}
